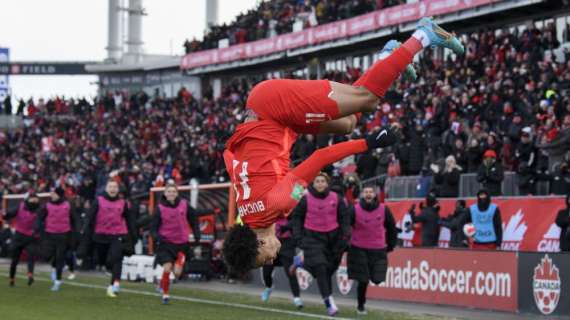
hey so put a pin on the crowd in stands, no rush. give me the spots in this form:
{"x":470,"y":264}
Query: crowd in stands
{"x":139,"y":140}
{"x":501,"y":107}
{"x":277,"y":17}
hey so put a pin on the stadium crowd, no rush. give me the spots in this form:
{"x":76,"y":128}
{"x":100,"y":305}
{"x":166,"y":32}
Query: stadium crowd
{"x":499,"y":108}
{"x":276,"y":17}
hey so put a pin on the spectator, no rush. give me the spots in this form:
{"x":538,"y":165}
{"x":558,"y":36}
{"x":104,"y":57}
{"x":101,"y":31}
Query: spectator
{"x":486,"y":217}
{"x":429,"y":220}
{"x":454,"y":222}
{"x":8,"y":105}
{"x":560,"y":184}
{"x":490,"y":173}
{"x":526,"y":157}
{"x":367,"y":164}
{"x":447,"y":180}
{"x":563,"y":221}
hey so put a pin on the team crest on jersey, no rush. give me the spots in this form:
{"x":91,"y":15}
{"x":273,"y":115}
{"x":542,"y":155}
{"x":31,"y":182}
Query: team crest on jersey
{"x":297,"y":192}
{"x":546,"y":286}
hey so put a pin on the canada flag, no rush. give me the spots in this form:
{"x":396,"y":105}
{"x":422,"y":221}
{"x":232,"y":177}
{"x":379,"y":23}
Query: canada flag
{"x":513,"y":232}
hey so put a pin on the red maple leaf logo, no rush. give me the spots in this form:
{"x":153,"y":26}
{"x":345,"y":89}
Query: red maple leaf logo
{"x":546,"y":270}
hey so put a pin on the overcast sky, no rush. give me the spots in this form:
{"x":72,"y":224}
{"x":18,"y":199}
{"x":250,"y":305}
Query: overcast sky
{"x":64,"y":30}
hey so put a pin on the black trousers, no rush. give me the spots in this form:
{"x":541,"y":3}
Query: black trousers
{"x":20,"y":243}
{"x":293,"y":282}
{"x":54,"y":248}
{"x":110,"y":253}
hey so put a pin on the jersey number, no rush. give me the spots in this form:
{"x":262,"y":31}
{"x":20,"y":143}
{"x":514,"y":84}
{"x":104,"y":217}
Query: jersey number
{"x":242,"y":177}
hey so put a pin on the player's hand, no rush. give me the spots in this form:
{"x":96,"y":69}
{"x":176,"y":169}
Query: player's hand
{"x":386,"y":137}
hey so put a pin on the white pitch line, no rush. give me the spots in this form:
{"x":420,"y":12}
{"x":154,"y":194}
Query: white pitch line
{"x":198,"y":300}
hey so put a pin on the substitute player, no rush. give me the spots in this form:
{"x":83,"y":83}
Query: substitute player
{"x":26,"y":238}
{"x":373,"y":236}
{"x":170,"y":230}
{"x":257,"y":155}
{"x":321,"y":225}
{"x":112,"y":229}
{"x":56,"y":225}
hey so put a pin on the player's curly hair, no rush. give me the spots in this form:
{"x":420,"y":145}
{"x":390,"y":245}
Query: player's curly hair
{"x":240,"y":250}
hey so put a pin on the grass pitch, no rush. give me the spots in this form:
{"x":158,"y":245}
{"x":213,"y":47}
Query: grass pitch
{"x":85,"y":298}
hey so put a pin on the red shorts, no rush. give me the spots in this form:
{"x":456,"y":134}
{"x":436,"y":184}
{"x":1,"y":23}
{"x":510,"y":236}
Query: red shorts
{"x":277,"y":203}
{"x":298,"y":104}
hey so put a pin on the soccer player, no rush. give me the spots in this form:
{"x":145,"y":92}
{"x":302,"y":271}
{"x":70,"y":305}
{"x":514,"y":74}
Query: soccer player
{"x":170,"y":230}
{"x":321,"y":227}
{"x":56,"y":225}
{"x":112,"y":229}
{"x":373,"y":236}
{"x":284,"y":259}
{"x":26,"y":238}
{"x":257,"y":155}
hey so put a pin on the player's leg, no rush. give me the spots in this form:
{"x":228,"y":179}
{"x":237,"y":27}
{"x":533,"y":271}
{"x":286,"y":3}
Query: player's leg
{"x":364,"y":94}
{"x":268,"y":281}
{"x":165,"y":282}
{"x":361,"y":297}
{"x":70,"y":262}
{"x":339,"y":126}
{"x":16,"y":253}
{"x":115,"y":265}
{"x":287,"y":262}
{"x":180,"y":262}
{"x":59,"y":259}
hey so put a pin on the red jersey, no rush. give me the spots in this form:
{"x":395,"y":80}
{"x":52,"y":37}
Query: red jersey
{"x":257,"y":157}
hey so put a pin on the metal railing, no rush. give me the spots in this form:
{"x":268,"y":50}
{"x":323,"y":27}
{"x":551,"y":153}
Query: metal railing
{"x":416,"y":186}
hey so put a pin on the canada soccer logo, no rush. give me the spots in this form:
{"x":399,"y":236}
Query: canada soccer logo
{"x":546,"y":286}
{"x":344,"y":284}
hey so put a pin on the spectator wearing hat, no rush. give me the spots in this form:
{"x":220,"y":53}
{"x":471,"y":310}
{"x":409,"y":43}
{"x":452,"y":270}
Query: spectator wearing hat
{"x":490,"y":173}
{"x":525,"y":155}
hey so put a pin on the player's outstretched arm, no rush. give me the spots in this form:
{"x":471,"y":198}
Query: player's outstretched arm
{"x":321,"y":158}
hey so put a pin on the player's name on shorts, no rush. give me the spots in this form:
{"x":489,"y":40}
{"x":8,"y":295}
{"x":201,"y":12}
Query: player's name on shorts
{"x":251,"y":207}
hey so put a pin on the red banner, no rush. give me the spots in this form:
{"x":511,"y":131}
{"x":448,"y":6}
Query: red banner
{"x":330,"y":31}
{"x":528,"y":223}
{"x":479,"y":279}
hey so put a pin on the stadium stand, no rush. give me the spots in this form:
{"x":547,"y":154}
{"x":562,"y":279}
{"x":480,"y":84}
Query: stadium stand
{"x":275,"y":17}
{"x":508,"y":83}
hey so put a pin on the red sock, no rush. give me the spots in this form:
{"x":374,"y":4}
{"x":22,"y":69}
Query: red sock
{"x":165,"y":282}
{"x":321,"y":158}
{"x":383,"y":73}
{"x":413,"y":45}
{"x":180,"y":259}
{"x":30,"y":275}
